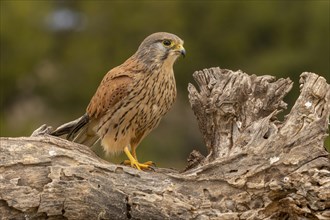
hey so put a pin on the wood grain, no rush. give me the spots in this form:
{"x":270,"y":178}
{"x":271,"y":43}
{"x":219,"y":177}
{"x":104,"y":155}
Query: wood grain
{"x":257,"y":167}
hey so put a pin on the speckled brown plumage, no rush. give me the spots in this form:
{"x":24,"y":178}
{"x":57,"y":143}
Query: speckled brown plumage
{"x":132,"y":98}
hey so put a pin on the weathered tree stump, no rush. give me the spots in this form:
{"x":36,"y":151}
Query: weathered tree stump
{"x":257,"y":166}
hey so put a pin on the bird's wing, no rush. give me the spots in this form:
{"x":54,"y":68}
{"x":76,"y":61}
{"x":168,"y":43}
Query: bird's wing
{"x":114,"y":87}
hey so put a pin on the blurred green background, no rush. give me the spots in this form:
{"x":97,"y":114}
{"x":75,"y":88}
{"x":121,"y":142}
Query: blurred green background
{"x":55,"y":53}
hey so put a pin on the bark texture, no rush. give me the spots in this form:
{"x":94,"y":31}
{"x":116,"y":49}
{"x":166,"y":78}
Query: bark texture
{"x":257,"y":166}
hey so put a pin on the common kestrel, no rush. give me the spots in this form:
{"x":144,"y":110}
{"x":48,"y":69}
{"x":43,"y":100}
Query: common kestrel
{"x":131,"y":99}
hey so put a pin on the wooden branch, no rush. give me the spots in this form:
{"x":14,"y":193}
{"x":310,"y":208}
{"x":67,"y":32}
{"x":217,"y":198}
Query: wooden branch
{"x":257,"y":167}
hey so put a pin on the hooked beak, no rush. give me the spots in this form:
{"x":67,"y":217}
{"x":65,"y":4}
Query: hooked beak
{"x":179,"y":48}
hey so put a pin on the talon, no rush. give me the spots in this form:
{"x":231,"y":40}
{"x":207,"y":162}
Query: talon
{"x":150,"y":163}
{"x":138,"y":165}
{"x":134,"y":162}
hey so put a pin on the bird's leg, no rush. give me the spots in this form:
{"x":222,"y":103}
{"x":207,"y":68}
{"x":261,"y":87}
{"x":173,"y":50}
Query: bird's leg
{"x":133,"y":160}
{"x":134,"y":155}
{"x":133,"y":149}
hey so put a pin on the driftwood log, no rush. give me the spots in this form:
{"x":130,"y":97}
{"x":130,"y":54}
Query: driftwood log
{"x":257,"y":166}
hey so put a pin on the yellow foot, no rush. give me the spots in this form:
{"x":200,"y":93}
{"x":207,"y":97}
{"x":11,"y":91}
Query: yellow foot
{"x":133,"y":162}
{"x":136,"y":164}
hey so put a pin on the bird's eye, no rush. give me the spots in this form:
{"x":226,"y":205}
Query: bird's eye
{"x":167,"y":43}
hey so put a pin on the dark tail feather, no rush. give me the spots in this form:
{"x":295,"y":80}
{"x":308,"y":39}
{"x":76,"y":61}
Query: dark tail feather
{"x":79,"y":131}
{"x":80,"y":124}
{"x":71,"y":128}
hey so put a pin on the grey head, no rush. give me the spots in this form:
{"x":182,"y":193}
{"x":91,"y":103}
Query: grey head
{"x":160,"y":47}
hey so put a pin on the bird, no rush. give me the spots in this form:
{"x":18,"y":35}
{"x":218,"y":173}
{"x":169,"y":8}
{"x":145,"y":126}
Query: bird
{"x":131,"y":100}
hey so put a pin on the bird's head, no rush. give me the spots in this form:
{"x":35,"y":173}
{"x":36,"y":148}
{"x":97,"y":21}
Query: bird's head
{"x":160,"y":48}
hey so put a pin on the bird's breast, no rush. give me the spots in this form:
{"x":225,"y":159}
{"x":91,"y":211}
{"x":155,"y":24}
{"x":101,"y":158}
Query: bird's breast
{"x":159,"y":98}
{"x":149,"y":100}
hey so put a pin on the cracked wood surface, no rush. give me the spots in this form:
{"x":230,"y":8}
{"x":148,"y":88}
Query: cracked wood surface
{"x":257,"y":166}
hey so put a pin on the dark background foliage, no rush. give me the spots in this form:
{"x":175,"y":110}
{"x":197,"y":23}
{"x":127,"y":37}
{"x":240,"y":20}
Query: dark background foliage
{"x":55,"y":53}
